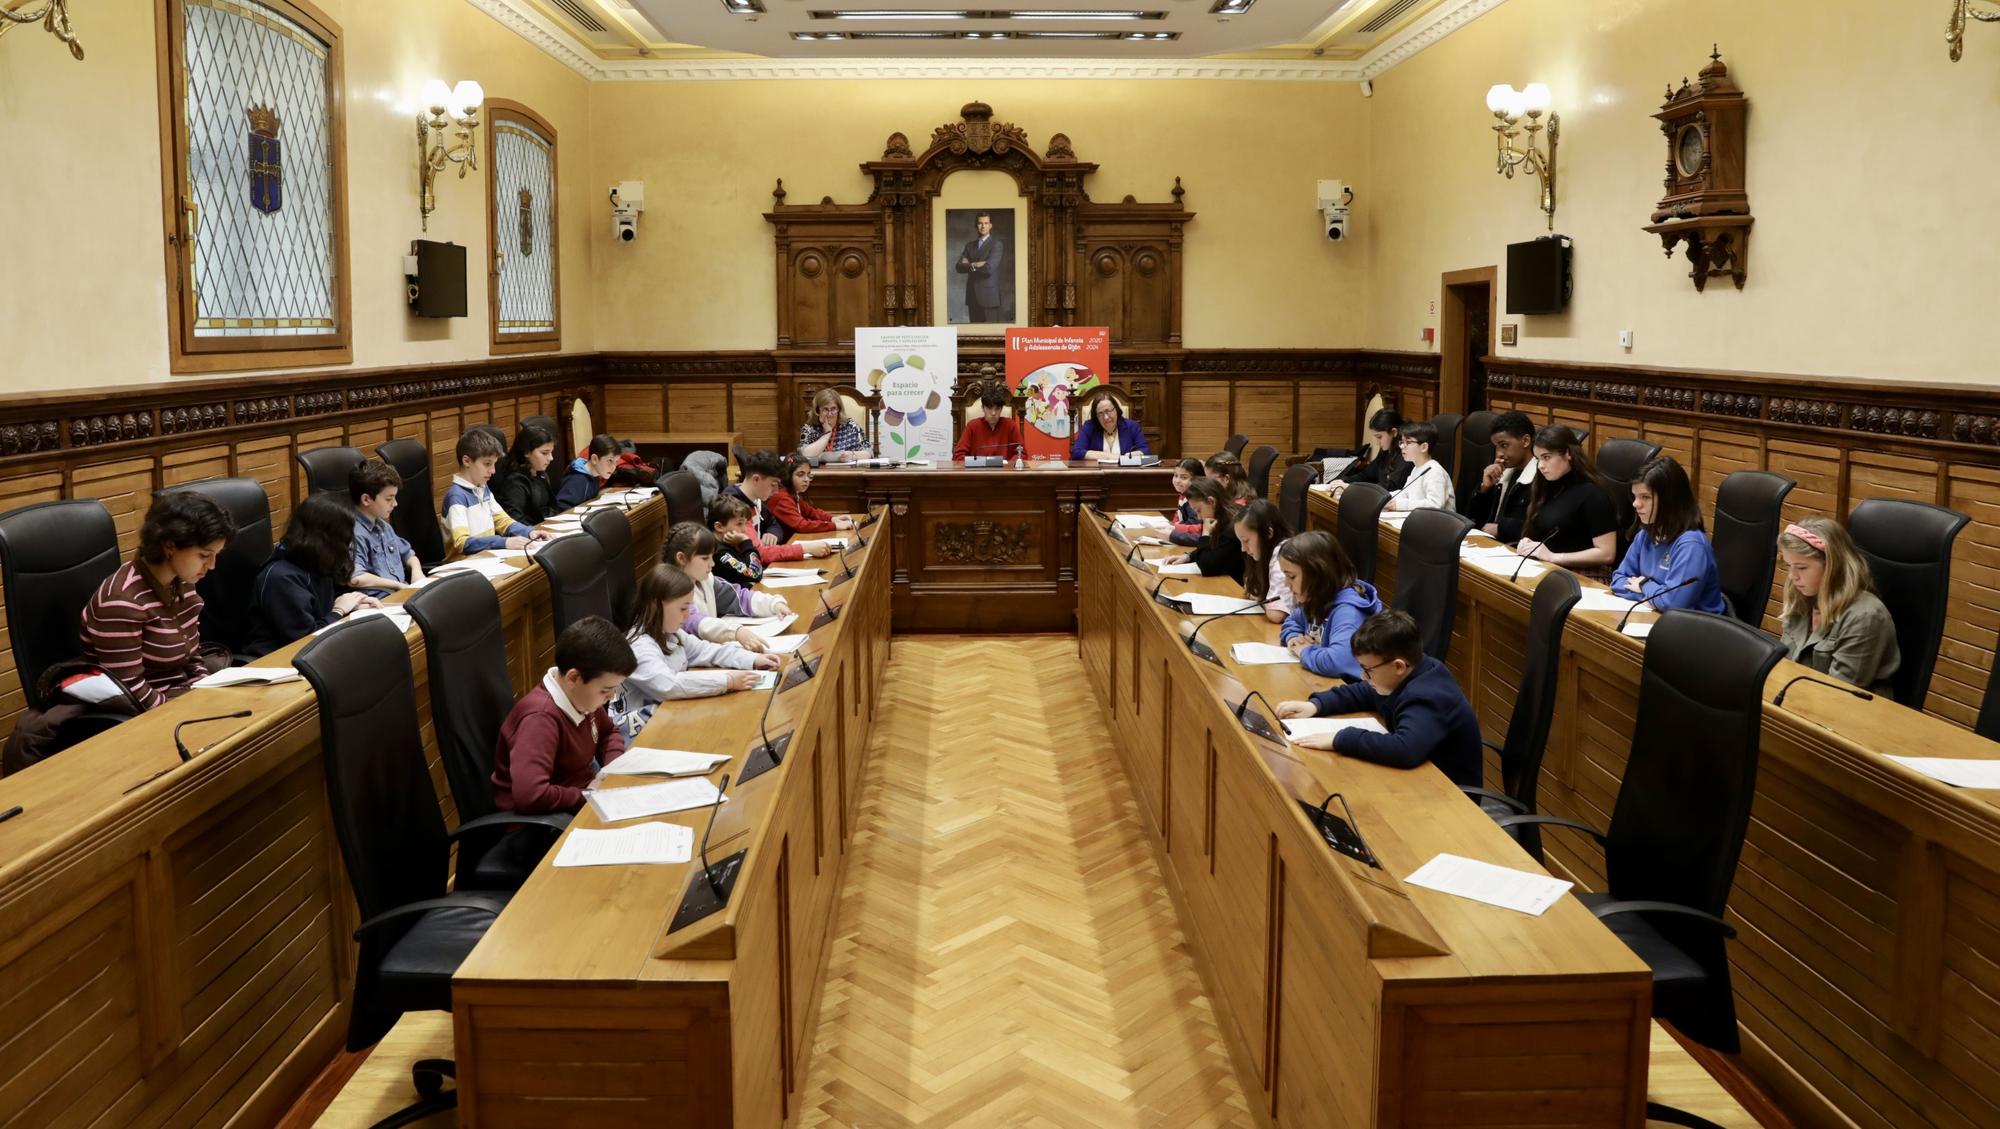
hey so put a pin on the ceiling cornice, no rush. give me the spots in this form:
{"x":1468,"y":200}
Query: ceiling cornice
{"x":519,"y":17}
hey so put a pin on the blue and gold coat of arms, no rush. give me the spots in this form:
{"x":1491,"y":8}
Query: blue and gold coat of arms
{"x":267,"y":169}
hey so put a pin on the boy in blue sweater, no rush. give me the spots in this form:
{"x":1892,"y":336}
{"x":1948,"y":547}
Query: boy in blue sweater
{"x":1417,"y":699}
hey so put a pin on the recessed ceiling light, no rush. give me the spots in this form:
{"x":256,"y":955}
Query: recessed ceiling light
{"x":743,"y":7}
{"x":1125,"y":15}
{"x":1233,"y":7}
{"x":894,"y":14}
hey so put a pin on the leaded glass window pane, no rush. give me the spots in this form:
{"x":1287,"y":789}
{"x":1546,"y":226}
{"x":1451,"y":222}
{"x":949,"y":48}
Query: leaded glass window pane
{"x":523,"y":229}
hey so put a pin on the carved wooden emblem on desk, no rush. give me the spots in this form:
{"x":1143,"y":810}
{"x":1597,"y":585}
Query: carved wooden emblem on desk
{"x":981,"y":542}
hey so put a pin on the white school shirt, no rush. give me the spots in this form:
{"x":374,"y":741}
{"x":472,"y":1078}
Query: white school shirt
{"x":1429,"y":488}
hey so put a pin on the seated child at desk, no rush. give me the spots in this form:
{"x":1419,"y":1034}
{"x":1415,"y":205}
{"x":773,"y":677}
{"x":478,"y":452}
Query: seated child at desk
{"x":560,"y":733}
{"x":690,"y":547}
{"x":1833,"y":620}
{"x":471,"y":513}
{"x":789,"y":508}
{"x":1261,"y":530}
{"x":1228,"y":470}
{"x":1187,"y":523}
{"x":303,"y":587}
{"x":522,"y":484}
{"x":1217,"y":553}
{"x":1416,"y":698}
{"x":143,"y":624}
{"x":1429,"y":485}
{"x":383,"y":561}
{"x":1331,"y":603}
{"x":1671,"y":550}
{"x":587,"y":472}
{"x":667,"y":655}
{"x":762,"y":475}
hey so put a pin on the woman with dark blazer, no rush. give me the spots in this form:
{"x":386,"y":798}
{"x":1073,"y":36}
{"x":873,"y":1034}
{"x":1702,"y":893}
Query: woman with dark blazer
{"x":304,"y":585}
{"x":1107,"y":422}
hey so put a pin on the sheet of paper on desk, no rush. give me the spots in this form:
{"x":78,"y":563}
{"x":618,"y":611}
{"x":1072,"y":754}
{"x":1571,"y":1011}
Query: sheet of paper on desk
{"x":644,"y":761}
{"x":1185,"y":568}
{"x":1148,"y":539}
{"x":1638,"y":630}
{"x":768,"y":627}
{"x":1297,"y":727}
{"x":806,"y":581}
{"x":484,"y":566}
{"x":1602,"y":600}
{"x":1262,"y":654}
{"x":247,"y":675}
{"x":1501,"y":886}
{"x":785,"y":644}
{"x":790,"y":570}
{"x":1205,"y":603}
{"x":1467,"y":550}
{"x":1505,"y":566}
{"x":627,"y":846}
{"x":684,"y":794}
{"x":1956,"y":771}
{"x":1143,"y":521}
{"x":1396,"y":517}
{"x":397,"y":616}
{"x":765,"y":680}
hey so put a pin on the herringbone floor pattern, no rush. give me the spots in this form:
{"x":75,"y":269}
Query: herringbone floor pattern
{"x":1005,"y":953}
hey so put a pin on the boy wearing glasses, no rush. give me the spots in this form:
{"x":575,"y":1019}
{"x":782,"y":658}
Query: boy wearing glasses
{"x":1429,"y":485}
{"x":1416,"y":698}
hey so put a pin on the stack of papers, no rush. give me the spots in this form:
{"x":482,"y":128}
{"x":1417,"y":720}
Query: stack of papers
{"x":248,"y":675}
{"x":769,"y":627}
{"x":790,"y":570}
{"x":1396,"y":517}
{"x":1505,"y":566}
{"x":1186,"y":568}
{"x":1602,"y":600}
{"x":687,"y":793}
{"x":785,"y":644}
{"x":484,"y":566}
{"x":627,"y":846}
{"x":1262,"y":654}
{"x":1315,"y":726}
{"x":793,"y":581}
{"x":1203,"y":603}
{"x":1957,"y":772}
{"x":1142,"y":521}
{"x":396,"y":615}
{"x":643,"y":761}
{"x":1501,"y":886}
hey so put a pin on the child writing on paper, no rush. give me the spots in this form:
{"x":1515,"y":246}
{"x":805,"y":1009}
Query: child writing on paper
{"x":1332,"y":603}
{"x":1261,"y":530}
{"x":691,"y":548}
{"x":1418,"y":701}
{"x":471,"y":514}
{"x":667,"y":656}
{"x":303,"y":587}
{"x":560,"y":733}
{"x":1217,"y":553}
{"x":1671,"y":549}
{"x":763,"y":473}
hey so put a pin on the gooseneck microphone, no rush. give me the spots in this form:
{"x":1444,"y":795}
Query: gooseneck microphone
{"x":1203,"y":650}
{"x":1526,"y":558}
{"x":708,"y":871}
{"x":1786,"y":688}
{"x":764,"y":720}
{"x":1261,"y":729}
{"x":187,"y":756}
{"x":1409,"y":482}
{"x":832,"y":612}
{"x":1649,"y":600}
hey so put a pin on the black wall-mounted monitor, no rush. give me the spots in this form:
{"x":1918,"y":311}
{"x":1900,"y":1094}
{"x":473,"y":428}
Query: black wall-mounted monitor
{"x":437,"y":290}
{"x":1538,"y":276}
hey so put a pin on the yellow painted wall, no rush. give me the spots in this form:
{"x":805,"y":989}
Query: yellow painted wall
{"x":1873,"y":167}
{"x":82,"y":269}
{"x":702,"y":275}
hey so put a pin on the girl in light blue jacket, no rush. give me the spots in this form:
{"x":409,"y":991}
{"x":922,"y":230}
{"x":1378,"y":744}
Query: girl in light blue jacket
{"x":1332,"y":603}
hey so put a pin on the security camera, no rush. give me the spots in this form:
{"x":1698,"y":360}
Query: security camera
{"x":1336,"y":202}
{"x":624,"y":224}
{"x":628,"y":199}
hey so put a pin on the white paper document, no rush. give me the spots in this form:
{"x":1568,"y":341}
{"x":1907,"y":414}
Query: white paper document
{"x":790,"y":570}
{"x":643,"y":761}
{"x":1501,"y":886}
{"x":683,"y":794}
{"x":397,"y":616}
{"x":1639,"y":630}
{"x":1297,"y":727}
{"x":1396,"y":517}
{"x":1602,"y":600}
{"x":1956,"y":771}
{"x":785,"y":644}
{"x":770,"y":627}
{"x":484,"y":566}
{"x":627,"y":846}
{"x":1204,"y":603}
{"x":806,"y":581}
{"x":765,"y":680}
{"x":1330,"y":469}
{"x":248,"y":675}
{"x":1262,"y":654}
{"x":1187,"y":568}
{"x":1505,"y":566}
{"x":1467,"y":550}
{"x":94,"y":690}
{"x":1148,"y":539}
{"x":1142,"y":521}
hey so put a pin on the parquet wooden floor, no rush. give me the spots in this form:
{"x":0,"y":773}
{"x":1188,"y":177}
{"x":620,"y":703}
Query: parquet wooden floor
{"x":1005,"y":953}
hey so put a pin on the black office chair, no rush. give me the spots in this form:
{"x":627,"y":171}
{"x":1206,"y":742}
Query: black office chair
{"x":1475,"y":446}
{"x":466,"y":655}
{"x":1446,"y":449}
{"x":416,"y":516}
{"x":1908,"y":549}
{"x":1988,"y":725}
{"x":742,"y":458}
{"x":1236,"y":444}
{"x":326,"y":468}
{"x":1357,"y":527}
{"x":226,"y":590}
{"x":1748,"y":506}
{"x":1677,"y":829}
{"x":613,"y":531}
{"x":1258,"y":470}
{"x":53,"y":555}
{"x":1292,"y":494}
{"x":413,"y":934}
{"x":1534,"y":706}
{"x":496,"y":431}
{"x":1582,"y":433}
{"x":578,"y":585}
{"x":1427,"y":574}
{"x":682,"y":490}
{"x":1619,"y":461}
{"x":547,"y":423}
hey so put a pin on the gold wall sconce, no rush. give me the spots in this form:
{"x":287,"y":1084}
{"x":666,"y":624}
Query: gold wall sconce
{"x":454,"y":109}
{"x":51,"y":14}
{"x":1962,"y":10}
{"x":1509,"y":106}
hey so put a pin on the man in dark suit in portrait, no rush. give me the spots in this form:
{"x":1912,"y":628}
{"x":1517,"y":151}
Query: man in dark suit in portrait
{"x":980,"y":264}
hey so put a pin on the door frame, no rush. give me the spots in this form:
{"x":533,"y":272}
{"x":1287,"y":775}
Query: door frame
{"x":1451,"y":330}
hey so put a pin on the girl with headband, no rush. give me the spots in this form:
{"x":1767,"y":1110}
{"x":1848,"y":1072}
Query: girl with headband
{"x":1833,"y":621}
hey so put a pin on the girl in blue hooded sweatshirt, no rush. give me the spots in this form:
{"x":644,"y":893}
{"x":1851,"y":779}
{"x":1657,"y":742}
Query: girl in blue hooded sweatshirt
{"x":1331,"y":604}
{"x":587,"y":473}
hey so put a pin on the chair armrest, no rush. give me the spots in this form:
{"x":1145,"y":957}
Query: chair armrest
{"x":1477,"y":794}
{"x":553,"y":823}
{"x":1492,"y":746}
{"x":1507,"y":821}
{"x":468,"y":900}
{"x":1609,"y":909}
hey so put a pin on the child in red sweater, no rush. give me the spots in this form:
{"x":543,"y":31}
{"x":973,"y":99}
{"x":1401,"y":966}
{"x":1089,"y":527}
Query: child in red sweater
{"x":560,"y":733}
{"x":789,"y":508}
{"x":762,"y":475}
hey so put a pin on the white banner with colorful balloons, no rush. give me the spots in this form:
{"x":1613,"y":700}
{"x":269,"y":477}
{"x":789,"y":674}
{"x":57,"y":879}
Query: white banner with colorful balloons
{"x":912,"y":371}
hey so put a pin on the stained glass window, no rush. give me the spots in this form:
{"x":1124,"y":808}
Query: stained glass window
{"x":522,"y":179}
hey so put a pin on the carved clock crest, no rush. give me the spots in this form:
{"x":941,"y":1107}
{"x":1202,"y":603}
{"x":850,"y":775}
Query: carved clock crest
{"x":1706,"y":206}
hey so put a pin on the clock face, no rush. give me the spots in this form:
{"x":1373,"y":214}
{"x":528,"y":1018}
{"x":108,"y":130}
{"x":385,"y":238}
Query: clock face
{"x":1688,"y":150}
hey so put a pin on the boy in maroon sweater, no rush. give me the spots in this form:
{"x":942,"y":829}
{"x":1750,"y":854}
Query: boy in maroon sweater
{"x":557,"y":736}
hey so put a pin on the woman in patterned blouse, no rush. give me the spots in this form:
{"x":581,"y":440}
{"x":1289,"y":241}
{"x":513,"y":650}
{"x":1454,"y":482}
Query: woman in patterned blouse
{"x":831,"y":436}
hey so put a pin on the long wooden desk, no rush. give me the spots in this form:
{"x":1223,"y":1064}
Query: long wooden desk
{"x":1867,"y":969}
{"x":1349,"y":998}
{"x":988,"y":550}
{"x":176,"y":940}
{"x":583,"y":1006}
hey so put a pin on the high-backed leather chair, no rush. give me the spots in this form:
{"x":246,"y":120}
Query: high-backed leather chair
{"x":1475,"y":446}
{"x":53,"y":555}
{"x":1908,"y":549}
{"x":578,"y":584}
{"x":416,"y":516}
{"x":1677,"y":829}
{"x":742,"y":459}
{"x":1292,"y":494}
{"x":1236,"y":445}
{"x":327,"y":468}
{"x":226,"y":590}
{"x":1258,"y":470}
{"x":1357,"y":527}
{"x":546,"y":423}
{"x":682,"y":490}
{"x":613,"y":531}
{"x":1427,"y":573}
{"x":465,"y":653}
{"x":1988,"y":725}
{"x":499,"y":433}
{"x":1534,"y":706}
{"x":413,"y":934}
{"x":1446,"y":450}
{"x":1748,"y":506}
{"x":1619,"y":461}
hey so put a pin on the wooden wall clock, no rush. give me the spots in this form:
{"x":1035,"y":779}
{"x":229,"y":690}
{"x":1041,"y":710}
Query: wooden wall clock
{"x":1706,"y":206}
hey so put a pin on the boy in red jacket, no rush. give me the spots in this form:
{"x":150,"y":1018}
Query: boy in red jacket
{"x":762,"y":475}
{"x":560,"y":733}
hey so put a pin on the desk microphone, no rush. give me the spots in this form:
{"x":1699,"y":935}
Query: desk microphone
{"x":1167,"y":601}
{"x":1526,"y":558}
{"x":1651,"y":598}
{"x":871,"y":519}
{"x":845,"y":566}
{"x":1203,"y":650}
{"x":1261,"y":729}
{"x":187,"y":756}
{"x":1129,"y":552}
{"x":832,"y":612}
{"x":1780,"y":699}
{"x":708,"y":871}
{"x":1409,"y":482}
{"x":764,"y":720}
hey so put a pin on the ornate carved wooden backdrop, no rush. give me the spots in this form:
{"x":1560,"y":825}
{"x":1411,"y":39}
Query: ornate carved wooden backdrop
{"x":847,"y":265}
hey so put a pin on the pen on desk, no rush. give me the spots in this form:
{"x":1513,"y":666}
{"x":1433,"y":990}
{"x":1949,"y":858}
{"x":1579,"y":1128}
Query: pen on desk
{"x":10,"y":813}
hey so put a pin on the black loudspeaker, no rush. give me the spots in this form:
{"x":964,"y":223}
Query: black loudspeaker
{"x":437,"y":289}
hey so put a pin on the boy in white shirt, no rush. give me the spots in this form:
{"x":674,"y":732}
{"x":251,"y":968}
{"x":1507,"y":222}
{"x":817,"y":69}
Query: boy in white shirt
{"x":1429,"y":485}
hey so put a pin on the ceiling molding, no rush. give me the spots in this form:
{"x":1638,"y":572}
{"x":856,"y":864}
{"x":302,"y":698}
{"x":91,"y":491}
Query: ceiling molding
{"x":517,"y":17}
{"x":1424,"y":31}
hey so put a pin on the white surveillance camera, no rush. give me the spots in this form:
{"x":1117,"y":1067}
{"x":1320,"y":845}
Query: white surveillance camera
{"x":1336,"y":202}
{"x":624,"y":224}
{"x":628,"y":199}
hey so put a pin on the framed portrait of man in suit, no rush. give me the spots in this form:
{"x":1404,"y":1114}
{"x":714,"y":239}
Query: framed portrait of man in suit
{"x":981,"y":256}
